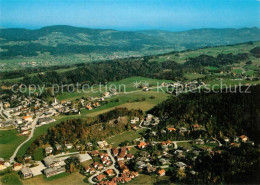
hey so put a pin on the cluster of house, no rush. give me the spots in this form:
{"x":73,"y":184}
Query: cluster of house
{"x":58,"y":147}
{"x":235,"y":141}
{"x":125,"y":175}
{"x":108,"y":179}
{"x":163,"y":159}
{"x":22,"y":115}
{"x":98,"y":166}
{"x":94,"y":102}
{"x":123,"y":155}
{"x":102,"y":144}
{"x":111,"y":92}
{"x":151,"y":120}
{"x":90,"y":106}
{"x":26,"y":172}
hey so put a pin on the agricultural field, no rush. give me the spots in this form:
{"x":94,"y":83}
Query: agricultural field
{"x":192,"y":76}
{"x":137,"y":100}
{"x":125,"y":85}
{"x":211,"y":51}
{"x":216,"y":84}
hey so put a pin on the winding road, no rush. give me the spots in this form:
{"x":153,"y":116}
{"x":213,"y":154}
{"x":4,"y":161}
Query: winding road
{"x":31,"y":135}
{"x":110,"y":167}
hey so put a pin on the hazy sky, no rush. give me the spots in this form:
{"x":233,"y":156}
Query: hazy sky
{"x":131,"y":14}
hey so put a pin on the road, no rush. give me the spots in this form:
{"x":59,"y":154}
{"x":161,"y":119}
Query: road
{"x":158,"y":142}
{"x":1,"y":110}
{"x":107,"y":168}
{"x":31,"y":135}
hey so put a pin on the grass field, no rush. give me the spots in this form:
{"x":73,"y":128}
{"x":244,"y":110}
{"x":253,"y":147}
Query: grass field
{"x":214,"y":51}
{"x":125,"y":136}
{"x":184,"y":144}
{"x":9,"y":140}
{"x":238,"y":71}
{"x":215,"y":84}
{"x":249,"y":73}
{"x":129,"y":101}
{"x":64,"y":179}
{"x":207,"y":145}
{"x":11,"y":179}
{"x":125,"y":85}
{"x":147,"y":180}
{"x":212,"y":68}
{"x":191,"y":76}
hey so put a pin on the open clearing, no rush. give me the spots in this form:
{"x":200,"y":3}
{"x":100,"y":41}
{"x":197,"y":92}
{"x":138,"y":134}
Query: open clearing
{"x":125,"y":136}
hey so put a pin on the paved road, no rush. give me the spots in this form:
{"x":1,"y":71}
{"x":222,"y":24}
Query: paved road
{"x":31,"y":135}
{"x":110,"y":167}
{"x":1,"y":110}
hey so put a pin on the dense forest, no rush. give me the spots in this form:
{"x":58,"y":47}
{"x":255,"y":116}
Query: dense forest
{"x":225,"y":113}
{"x":236,"y":165}
{"x":255,"y":52}
{"x":82,"y":131}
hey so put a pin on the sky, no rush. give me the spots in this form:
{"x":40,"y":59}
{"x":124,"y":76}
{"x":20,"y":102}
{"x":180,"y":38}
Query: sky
{"x":173,"y":15}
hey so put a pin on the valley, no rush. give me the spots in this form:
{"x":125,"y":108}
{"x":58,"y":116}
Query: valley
{"x":148,"y":109}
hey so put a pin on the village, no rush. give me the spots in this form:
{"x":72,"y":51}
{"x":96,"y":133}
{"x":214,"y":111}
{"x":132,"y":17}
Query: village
{"x":25,"y":109}
{"x":120,"y":164}
{"x":108,"y":164}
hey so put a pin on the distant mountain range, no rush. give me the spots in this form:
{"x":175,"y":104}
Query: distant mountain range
{"x":63,"y":40}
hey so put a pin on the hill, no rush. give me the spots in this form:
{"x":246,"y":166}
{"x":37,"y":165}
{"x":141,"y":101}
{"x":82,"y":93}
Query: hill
{"x":53,"y":45}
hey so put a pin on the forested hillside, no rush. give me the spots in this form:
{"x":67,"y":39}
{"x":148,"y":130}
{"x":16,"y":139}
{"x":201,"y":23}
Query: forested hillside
{"x":82,"y":131}
{"x":64,"y":40}
{"x":227,"y":113}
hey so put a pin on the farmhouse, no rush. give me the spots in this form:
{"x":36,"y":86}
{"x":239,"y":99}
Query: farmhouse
{"x":17,"y":166}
